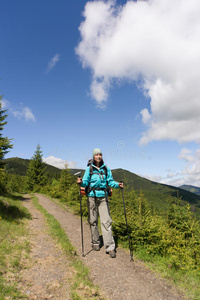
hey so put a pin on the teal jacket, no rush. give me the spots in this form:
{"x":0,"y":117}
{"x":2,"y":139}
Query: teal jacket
{"x":98,"y":180}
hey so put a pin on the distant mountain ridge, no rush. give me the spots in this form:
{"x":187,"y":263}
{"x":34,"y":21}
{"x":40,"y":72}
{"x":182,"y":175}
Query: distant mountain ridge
{"x":19,"y":166}
{"x":191,"y":189}
{"x":152,"y":190}
{"x":156,"y":193}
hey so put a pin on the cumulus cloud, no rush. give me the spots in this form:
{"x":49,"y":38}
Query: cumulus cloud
{"x":185,"y":155}
{"x":5,"y":104}
{"x":52,"y":63}
{"x":190,"y":174}
{"x":21,"y":112}
{"x":156,"y":45}
{"x":145,"y":115}
{"x":59,"y":163}
{"x":24,"y":112}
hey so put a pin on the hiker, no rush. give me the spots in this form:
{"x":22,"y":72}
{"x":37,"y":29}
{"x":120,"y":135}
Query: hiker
{"x":97,"y":180}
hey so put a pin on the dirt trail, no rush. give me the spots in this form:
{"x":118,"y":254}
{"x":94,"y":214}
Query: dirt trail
{"x":118,"y":278}
{"x":48,"y":274}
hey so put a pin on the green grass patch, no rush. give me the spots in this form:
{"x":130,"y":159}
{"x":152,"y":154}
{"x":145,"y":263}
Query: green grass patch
{"x":82,"y":287}
{"x":14,"y":244}
{"x":187,"y":281}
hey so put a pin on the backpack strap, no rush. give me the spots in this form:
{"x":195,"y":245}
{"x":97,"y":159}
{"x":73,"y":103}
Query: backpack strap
{"x":92,"y":170}
{"x":106,"y":171}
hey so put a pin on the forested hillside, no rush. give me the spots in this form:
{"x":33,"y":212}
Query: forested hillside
{"x":156,"y":193}
{"x":191,"y":188}
{"x":19,"y":166}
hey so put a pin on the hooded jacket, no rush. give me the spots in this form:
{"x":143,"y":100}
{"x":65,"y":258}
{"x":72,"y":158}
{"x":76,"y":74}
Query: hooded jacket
{"x":98,"y":180}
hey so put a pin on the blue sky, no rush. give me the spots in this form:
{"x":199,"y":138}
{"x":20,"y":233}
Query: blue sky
{"x":120,"y":76}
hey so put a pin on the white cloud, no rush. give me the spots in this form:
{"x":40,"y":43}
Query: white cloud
{"x":100,"y":91}
{"x":192,"y":168}
{"x":190,"y":174}
{"x":145,"y":115}
{"x":29,"y":116}
{"x":5,"y":104}
{"x":24,"y":112}
{"x":59,"y":163}
{"x":52,"y":63}
{"x":155,"y":43}
{"x":185,"y":155}
{"x":155,"y":178}
{"x":21,"y":112}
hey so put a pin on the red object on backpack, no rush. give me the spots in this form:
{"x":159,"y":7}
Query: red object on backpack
{"x":83,"y":191}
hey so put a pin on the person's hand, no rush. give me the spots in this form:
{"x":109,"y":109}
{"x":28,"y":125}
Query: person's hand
{"x":79,"y":180}
{"x":121,"y":185}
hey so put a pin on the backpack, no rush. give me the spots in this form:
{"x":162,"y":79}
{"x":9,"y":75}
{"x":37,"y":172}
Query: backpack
{"x":85,"y":191}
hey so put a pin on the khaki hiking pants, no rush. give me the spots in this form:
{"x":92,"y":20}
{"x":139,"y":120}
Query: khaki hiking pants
{"x":99,"y":206}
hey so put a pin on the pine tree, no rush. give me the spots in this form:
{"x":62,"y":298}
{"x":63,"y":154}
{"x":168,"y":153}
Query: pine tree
{"x":5,"y":143}
{"x":36,"y":171}
{"x":66,"y":179}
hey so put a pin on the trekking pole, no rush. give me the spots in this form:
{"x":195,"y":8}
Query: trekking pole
{"x":81,"y":217}
{"x":129,"y":240}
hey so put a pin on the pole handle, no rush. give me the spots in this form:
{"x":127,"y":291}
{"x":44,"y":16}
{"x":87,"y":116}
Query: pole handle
{"x":121,"y":182}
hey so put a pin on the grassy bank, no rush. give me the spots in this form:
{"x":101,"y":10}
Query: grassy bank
{"x":186,"y":281}
{"x":14,"y":244}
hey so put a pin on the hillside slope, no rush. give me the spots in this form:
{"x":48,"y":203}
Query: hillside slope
{"x":156,"y":193}
{"x":19,"y":166}
{"x":191,"y":188}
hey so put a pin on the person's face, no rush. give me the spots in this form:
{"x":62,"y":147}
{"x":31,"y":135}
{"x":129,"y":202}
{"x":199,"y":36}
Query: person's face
{"x":98,"y":157}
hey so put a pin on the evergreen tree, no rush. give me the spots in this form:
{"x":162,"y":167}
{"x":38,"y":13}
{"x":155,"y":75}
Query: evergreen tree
{"x":36,"y":171}
{"x":5,"y":143}
{"x":66,"y":179}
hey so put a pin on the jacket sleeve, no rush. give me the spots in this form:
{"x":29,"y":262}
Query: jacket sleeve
{"x":86,"y":178}
{"x":110,"y":180}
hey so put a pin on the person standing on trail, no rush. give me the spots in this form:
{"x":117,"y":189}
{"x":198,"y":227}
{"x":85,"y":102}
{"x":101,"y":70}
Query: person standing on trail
{"x":97,"y":180}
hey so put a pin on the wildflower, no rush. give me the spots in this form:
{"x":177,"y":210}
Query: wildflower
{"x":169,"y":266}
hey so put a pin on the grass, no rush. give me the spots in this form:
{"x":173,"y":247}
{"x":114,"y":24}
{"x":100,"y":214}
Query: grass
{"x":186,"y":281}
{"x":81,"y":287}
{"x":14,"y":244}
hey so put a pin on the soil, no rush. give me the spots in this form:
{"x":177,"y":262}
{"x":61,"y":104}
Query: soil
{"x":50,"y":273}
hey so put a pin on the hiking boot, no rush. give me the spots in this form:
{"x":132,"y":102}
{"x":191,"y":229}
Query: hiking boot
{"x":96,"y":247}
{"x":112,"y":253}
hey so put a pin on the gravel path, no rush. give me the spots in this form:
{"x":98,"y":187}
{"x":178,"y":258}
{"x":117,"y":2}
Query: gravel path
{"x":118,"y":278}
{"x":48,"y":274}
